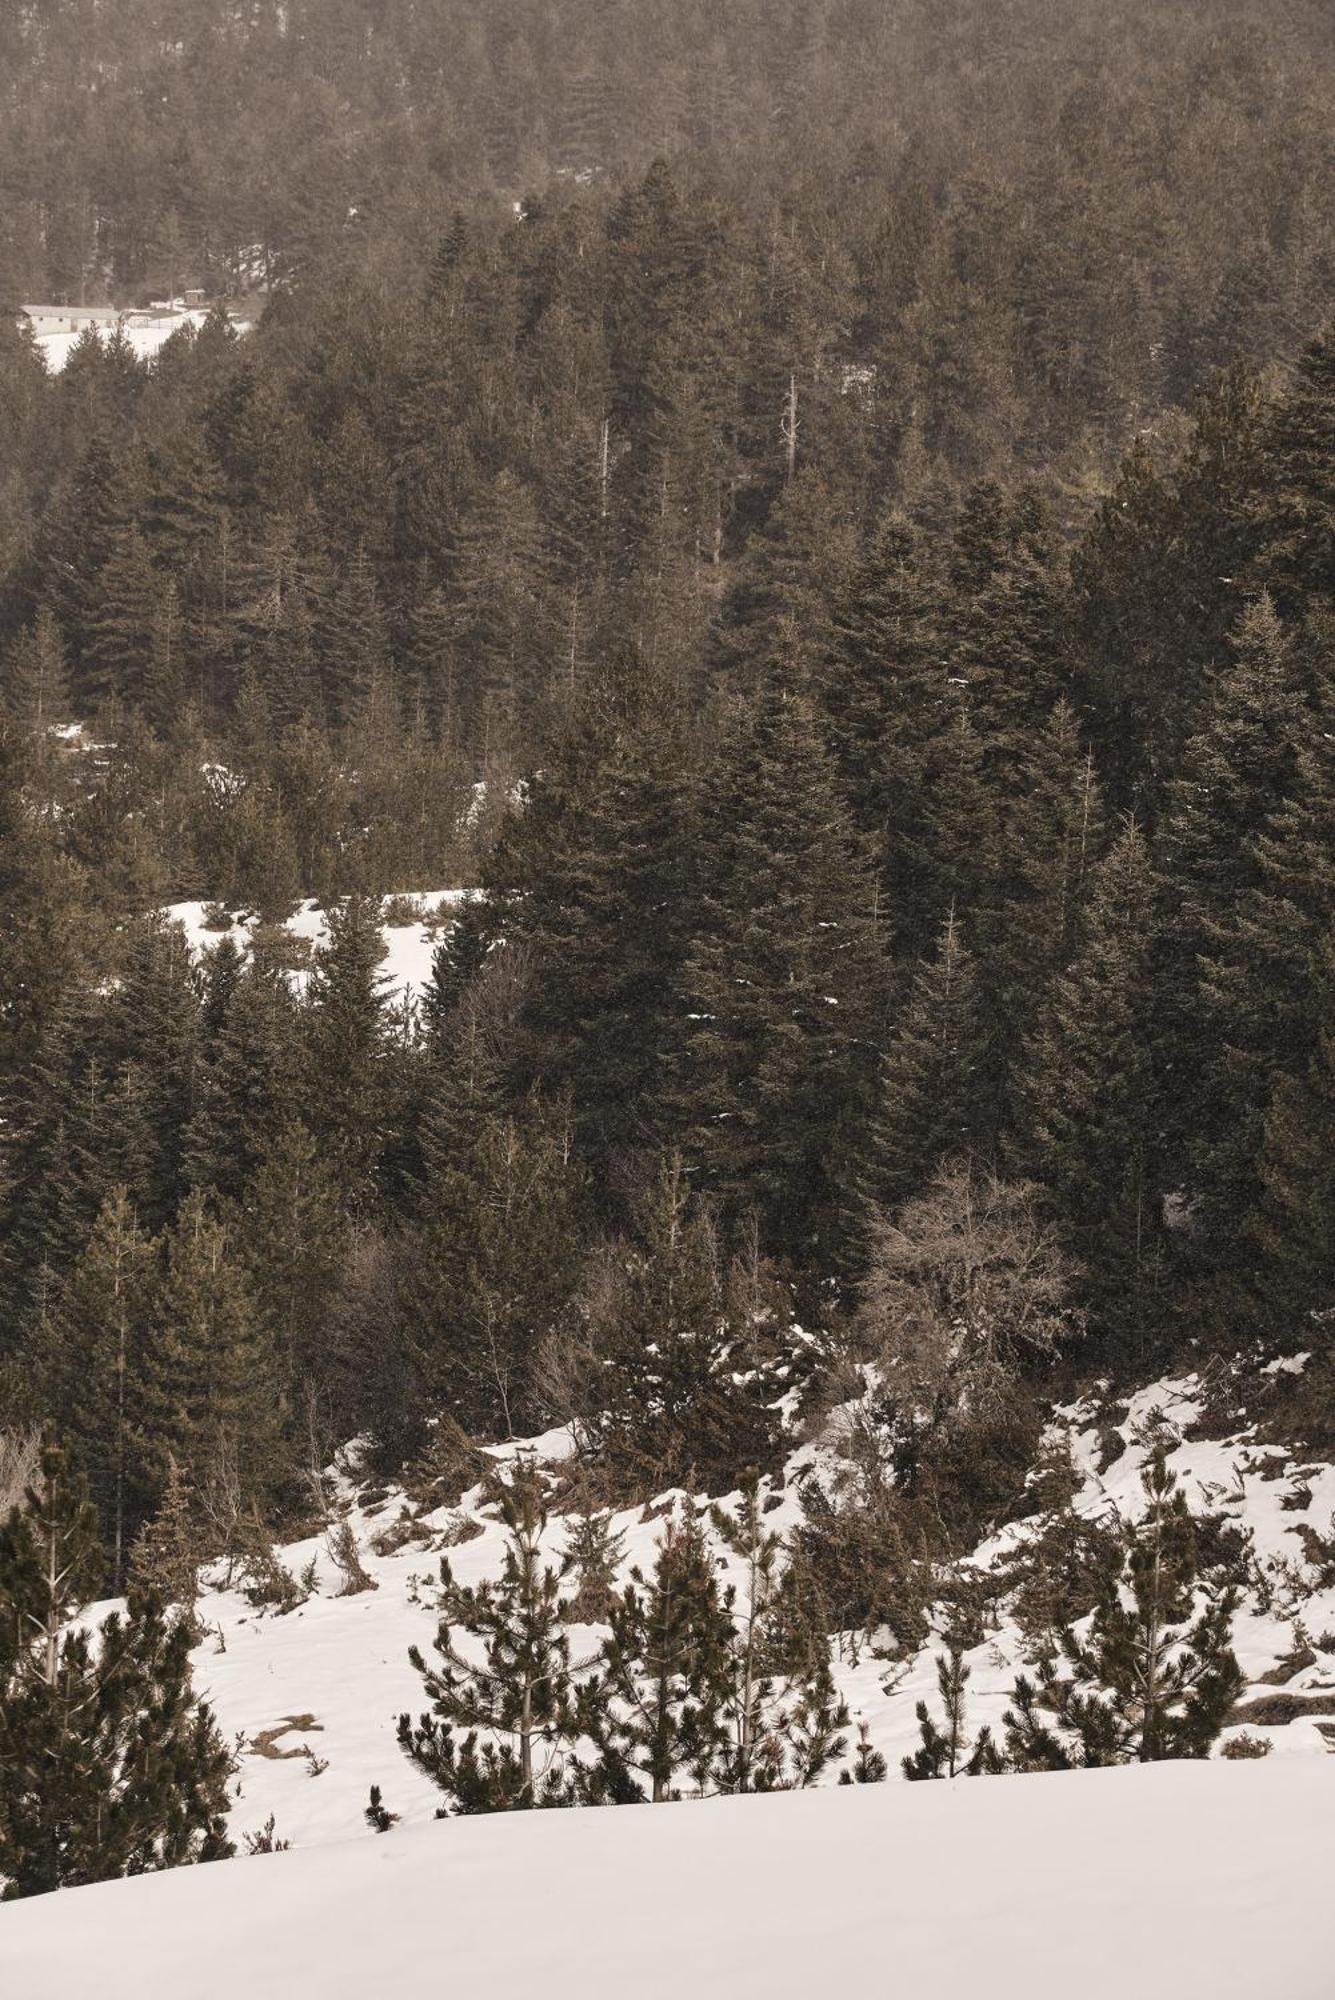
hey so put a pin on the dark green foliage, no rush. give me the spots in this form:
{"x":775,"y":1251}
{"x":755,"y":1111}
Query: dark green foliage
{"x":686,"y":1351}
{"x":501,"y":1231}
{"x":378,"y":1815}
{"x":98,"y":1337}
{"x":519,"y":1693}
{"x":108,"y":1765}
{"x":933,"y":1074}
{"x":1091,"y":1107}
{"x":656,"y":1708}
{"x":209,"y":1396}
{"x":946,"y":1752}
{"x":1294,"y":1224}
{"x":608,"y":918}
{"x":871,"y":1767}
{"x":783,"y":990}
{"x":780,"y":1710}
{"x":1156,"y":1676}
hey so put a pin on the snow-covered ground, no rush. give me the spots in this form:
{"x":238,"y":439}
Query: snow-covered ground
{"x":145,"y":333}
{"x":1169,"y":1882}
{"x":1196,"y":1882}
{"x":332,"y":1675}
{"x":408,"y":947}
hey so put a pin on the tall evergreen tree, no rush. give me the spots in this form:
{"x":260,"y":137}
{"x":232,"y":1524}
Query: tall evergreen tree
{"x":655,"y":1710}
{"x":783,"y":990}
{"x":685,"y":1357}
{"x":1092,"y":1136}
{"x":108,"y":1764}
{"x":209,"y":1398}
{"x":97,"y":1335}
{"x":347,"y":1046}
{"x":933,"y":1076}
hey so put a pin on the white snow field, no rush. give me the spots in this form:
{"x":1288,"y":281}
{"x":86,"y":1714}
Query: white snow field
{"x":1167,"y":1882}
{"x":144,"y":332}
{"x":1163,"y":1882}
{"x":408,"y":947}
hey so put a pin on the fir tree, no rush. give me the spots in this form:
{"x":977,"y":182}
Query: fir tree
{"x":608,"y":919}
{"x":1297,"y":559}
{"x":775,"y":1077}
{"x":166,"y":1557}
{"x":210,"y":1398}
{"x":35,"y":679}
{"x":98,"y":1333}
{"x":933,"y":1075}
{"x":502,"y":1228}
{"x":1089,"y":1091}
{"x":1236,"y":770}
{"x":1294,"y":1222}
{"x":684,"y":1360}
{"x":347,"y":1046}
{"x":108,"y":1765}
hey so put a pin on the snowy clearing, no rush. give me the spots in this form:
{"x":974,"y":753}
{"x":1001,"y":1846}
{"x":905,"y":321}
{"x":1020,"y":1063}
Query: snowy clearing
{"x":1195,"y":1881}
{"x":145,"y":333}
{"x":408,"y":947}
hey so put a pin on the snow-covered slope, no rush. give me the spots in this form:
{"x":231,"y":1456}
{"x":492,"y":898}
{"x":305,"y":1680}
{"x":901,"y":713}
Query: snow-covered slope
{"x":1184,"y":1880}
{"x":339,"y":1666}
{"x":1172,"y":1882}
{"x":144,"y":332}
{"x":408,"y":947}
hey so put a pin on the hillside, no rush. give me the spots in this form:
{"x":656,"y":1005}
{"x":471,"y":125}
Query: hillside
{"x":1176,"y":1879}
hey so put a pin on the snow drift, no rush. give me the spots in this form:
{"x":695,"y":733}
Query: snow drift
{"x":1200,"y":1880}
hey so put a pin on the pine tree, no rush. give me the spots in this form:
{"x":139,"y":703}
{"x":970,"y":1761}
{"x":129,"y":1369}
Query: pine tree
{"x":871,"y":1767}
{"x":520,"y":1694}
{"x":108,"y":1765}
{"x":289,"y":1229}
{"x":947,"y":1752}
{"x":250,"y":1078}
{"x":889,"y":708}
{"x":607,"y":919}
{"x":166,"y":1557}
{"x":1156,"y":1676}
{"x":354,"y":655}
{"x":1297,"y":559}
{"x":1294,"y":1223}
{"x":502,"y":1229}
{"x":123,"y":627}
{"x":1256,"y":1013}
{"x":1236,"y":770}
{"x":1054,"y":835}
{"x":655,"y":1708}
{"x":347,"y":1045}
{"x":1156,"y":580}
{"x":780,"y":1708}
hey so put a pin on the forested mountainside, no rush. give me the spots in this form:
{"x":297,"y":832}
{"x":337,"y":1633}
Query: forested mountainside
{"x":822,"y":620}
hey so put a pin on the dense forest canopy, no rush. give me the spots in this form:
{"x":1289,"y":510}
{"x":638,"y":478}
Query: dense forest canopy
{"x":824,"y":517}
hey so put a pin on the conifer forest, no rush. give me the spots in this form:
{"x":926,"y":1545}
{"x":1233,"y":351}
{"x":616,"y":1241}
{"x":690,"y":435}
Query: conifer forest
{"x":667,"y":909}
